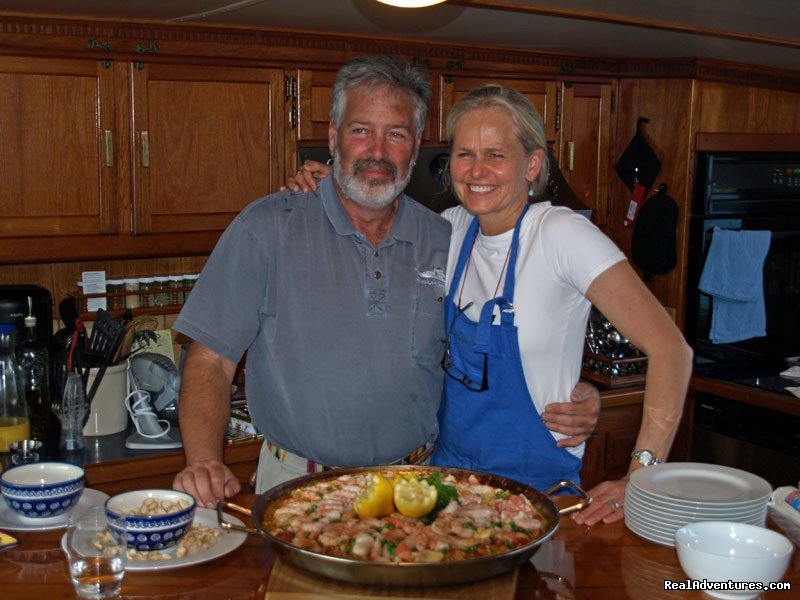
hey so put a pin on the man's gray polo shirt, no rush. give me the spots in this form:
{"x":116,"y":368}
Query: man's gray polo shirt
{"x":344,"y":340}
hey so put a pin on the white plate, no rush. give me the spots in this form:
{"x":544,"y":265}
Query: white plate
{"x":648,"y":535}
{"x":701,"y":484}
{"x":228,"y":542}
{"x":13,"y":521}
{"x":659,"y":509}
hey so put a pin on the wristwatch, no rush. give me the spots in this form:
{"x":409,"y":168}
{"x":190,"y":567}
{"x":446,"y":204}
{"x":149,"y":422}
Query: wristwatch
{"x":645,"y":457}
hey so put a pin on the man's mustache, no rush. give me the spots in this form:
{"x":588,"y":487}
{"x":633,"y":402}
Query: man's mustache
{"x":375,"y":163}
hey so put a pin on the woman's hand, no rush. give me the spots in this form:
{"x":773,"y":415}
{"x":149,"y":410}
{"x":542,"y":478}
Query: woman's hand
{"x":607,"y":504}
{"x":306,"y":177}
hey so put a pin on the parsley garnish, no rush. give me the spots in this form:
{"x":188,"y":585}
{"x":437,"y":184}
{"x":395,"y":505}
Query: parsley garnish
{"x":445,"y":494}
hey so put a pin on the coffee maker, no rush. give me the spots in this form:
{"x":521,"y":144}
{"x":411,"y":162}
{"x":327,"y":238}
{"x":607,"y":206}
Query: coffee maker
{"x":14,"y":309}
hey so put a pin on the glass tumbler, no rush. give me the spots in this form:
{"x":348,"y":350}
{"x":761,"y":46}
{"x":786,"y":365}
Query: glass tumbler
{"x":95,"y":555}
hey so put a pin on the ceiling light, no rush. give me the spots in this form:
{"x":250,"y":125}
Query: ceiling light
{"x":411,"y":3}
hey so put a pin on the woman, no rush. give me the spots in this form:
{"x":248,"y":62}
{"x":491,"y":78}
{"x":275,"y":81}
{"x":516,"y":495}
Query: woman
{"x":524,"y":345}
{"x":521,"y":280}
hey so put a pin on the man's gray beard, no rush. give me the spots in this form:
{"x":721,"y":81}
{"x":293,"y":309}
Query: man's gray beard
{"x":366,"y":193}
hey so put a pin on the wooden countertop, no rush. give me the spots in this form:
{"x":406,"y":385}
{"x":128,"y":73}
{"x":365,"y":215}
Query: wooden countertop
{"x":578,"y":562}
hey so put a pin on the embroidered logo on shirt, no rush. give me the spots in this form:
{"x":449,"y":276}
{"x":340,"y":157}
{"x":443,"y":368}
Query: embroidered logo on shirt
{"x":433,"y":277}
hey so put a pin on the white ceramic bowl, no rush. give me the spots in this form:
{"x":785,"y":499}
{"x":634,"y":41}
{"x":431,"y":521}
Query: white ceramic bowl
{"x":42,"y":490}
{"x":150,"y":532}
{"x":726,"y":551}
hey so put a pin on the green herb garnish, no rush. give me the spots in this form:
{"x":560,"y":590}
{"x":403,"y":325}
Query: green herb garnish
{"x":445,"y":494}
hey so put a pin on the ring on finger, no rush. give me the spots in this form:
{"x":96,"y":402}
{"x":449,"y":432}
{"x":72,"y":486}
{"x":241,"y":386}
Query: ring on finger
{"x":615,"y":505}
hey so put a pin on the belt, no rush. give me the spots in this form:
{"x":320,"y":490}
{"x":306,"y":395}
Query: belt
{"x":418,"y":456}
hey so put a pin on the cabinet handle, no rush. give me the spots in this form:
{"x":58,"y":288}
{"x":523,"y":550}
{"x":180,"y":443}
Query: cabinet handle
{"x":145,"y":148}
{"x":109,"y":140}
{"x":570,"y":155}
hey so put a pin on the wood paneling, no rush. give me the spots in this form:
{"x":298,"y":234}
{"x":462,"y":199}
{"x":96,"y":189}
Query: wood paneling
{"x":667,"y":103}
{"x":728,"y":108}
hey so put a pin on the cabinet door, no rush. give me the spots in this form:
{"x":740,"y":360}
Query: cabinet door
{"x":56,"y":132}
{"x":541,"y":93}
{"x":207,"y":141}
{"x":585,"y":143}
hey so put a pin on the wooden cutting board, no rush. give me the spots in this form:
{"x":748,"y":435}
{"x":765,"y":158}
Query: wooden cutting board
{"x":287,"y":582}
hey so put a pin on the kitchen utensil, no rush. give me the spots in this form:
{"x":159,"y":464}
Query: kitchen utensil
{"x":404,"y":574}
{"x":104,"y":342}
{"x":25,"y":451}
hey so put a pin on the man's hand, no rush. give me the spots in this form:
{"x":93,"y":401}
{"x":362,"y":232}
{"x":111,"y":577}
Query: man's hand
{"x":208,"y":481}
{"x":306,"y":177}
{"x":576,"y":418}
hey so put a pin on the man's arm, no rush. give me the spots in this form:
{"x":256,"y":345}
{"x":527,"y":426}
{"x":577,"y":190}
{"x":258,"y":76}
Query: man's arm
{"x":203,"y":413}
{"x":576,"y":418}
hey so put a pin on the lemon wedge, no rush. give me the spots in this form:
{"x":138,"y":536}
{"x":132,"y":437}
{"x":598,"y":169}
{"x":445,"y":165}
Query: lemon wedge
{"x":414,"y":498}
{"x":377,"y":498}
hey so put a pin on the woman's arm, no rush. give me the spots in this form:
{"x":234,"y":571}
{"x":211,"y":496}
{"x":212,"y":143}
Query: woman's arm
{"x":625,"y":301}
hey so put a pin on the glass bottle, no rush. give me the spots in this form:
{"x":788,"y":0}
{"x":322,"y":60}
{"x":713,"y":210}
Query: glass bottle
{"x":33,"y":359}
{"x":14,"y":425}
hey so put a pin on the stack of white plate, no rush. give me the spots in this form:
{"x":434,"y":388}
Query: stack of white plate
{"x":662,"y":498}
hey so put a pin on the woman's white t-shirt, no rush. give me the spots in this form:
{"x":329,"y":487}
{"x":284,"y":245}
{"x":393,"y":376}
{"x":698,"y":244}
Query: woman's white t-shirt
{"x":560,"y":254}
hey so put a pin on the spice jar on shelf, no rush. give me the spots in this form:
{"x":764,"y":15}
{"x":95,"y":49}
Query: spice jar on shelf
{"x":145,"y":285}
{"x":115,"y":285}
{"x":175,"y":282}
{"x":162,"y":296}
{"x":188,"y":282}
{"x":132,"y":298}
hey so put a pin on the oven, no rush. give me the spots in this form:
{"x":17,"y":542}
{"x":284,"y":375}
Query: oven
{"x":756,"y":192}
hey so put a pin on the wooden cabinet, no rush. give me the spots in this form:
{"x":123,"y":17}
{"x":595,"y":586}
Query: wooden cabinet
{"x":584,"y":143}
{"x":125,"y":149}
{"x":207,"y":141}
{"x":608,"y":451}
{"x":541,"y":93}
{"x":56,"y":130}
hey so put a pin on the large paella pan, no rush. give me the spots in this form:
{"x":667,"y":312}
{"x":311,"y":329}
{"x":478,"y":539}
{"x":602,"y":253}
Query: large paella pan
{"x":486,"y":543}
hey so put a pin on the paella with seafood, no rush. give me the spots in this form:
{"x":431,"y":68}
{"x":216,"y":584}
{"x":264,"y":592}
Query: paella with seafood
{"x":405,"y":517}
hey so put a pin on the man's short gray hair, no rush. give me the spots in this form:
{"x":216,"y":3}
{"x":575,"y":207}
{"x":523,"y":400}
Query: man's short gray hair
{"x":375,"y":71}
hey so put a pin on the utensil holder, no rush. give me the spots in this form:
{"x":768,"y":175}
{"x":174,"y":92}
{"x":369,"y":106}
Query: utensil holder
{"x":108,"y":413}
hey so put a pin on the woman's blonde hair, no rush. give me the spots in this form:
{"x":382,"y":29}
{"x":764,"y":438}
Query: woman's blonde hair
{"x":528,"y":124}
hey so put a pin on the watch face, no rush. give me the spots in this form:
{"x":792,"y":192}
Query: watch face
{"x":645,"y":457}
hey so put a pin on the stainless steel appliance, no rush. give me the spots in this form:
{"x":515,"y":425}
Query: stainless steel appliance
{"x":755,"y":439}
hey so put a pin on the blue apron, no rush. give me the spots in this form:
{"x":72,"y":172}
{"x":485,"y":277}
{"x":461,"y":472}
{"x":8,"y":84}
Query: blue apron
{"x":497,"y":429}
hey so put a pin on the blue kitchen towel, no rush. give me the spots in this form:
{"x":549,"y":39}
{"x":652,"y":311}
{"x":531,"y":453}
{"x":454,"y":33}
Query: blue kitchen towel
{"x":733,"y":275}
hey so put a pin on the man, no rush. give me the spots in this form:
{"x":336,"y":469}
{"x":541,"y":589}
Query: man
{"x":337,"y":298}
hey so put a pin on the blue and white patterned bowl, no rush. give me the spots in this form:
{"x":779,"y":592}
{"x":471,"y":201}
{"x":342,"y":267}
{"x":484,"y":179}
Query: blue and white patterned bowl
{"x":150,"y":532}
{"x":42,"y":490}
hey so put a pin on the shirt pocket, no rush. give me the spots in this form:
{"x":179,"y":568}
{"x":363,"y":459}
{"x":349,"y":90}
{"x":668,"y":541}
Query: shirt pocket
{"x":427,"y":332}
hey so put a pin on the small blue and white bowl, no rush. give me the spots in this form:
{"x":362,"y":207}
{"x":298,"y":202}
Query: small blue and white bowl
{"x":42,"y":490}
{"x":149,"y":532}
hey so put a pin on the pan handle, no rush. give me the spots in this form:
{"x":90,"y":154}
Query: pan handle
{"x":235,"y":508}
{"x":585,"y":500}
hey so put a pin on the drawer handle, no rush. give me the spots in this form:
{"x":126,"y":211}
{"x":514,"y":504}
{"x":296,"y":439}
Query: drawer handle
{"x":109,"y":141}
